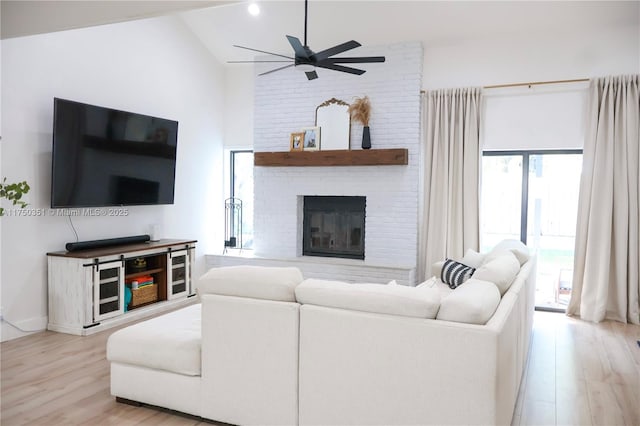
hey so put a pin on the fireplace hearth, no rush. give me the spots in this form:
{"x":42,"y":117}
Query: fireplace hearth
{"x":334,"y":226}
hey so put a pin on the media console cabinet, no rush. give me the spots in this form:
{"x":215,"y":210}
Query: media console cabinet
{"x":88,"y":288}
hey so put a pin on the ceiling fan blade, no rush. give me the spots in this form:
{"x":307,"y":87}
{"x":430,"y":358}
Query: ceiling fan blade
{"x":357,"y":60}
{"x":340,"y":68}
{"x":262,"y":51}
{"x":335,"y":50}
{"x":298,"y":47}
{"x":253,"y":62}
{"x":277,"y":69}
{"x":311,"y":75}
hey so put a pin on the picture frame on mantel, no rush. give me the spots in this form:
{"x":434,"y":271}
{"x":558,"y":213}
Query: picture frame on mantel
{"x":296,"y":141}
{"x":312,"y":138}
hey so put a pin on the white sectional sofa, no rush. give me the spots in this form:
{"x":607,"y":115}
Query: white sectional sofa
{"x":267,"y":347}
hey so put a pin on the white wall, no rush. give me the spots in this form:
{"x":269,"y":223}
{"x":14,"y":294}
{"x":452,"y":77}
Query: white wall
{"x":153,"y":66}
{"x":532,"y":57}
{"x":238,"y":113}
{"x":1,"y":313}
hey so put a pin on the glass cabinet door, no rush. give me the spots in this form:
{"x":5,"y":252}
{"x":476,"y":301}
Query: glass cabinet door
{"x":178,"y":276}
{"x":108,"y":290}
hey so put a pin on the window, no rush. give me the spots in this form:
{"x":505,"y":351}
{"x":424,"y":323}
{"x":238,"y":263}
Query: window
{"x":241,"y":189}
{"x":532,"y":196}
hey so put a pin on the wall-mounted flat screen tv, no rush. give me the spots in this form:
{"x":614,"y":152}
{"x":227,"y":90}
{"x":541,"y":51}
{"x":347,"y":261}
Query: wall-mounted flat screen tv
{"x":107,"y":157}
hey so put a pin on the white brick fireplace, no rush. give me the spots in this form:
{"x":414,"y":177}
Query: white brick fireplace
{"x":285,"y":101}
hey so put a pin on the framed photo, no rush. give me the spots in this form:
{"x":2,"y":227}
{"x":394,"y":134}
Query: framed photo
{"x":311,"y":138}
{"x":296,"y":142}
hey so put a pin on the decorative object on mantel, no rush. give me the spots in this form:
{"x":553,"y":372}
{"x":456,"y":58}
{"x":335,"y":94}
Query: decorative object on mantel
{"x":312,"y":138}
{"x":232,"y":223}
{"x":296,"y":141}
{"x":307,"y":60}
{"x":333,"y":118}
{"x":360,"y":110}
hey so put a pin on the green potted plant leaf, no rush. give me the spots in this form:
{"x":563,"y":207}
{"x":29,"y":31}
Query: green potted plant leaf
{"x":13,"y":192}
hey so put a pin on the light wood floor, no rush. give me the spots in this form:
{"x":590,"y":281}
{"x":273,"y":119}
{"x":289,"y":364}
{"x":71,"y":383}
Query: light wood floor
{"x":578,"y":373}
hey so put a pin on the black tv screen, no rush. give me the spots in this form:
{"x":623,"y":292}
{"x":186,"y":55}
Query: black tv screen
{"x":107,"y":157}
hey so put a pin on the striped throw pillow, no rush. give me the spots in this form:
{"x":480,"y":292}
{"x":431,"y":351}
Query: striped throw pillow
{"x":455,"y":273}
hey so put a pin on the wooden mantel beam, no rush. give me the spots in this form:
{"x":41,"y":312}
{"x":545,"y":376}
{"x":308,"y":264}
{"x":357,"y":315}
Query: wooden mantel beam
{"x":368,"y":157}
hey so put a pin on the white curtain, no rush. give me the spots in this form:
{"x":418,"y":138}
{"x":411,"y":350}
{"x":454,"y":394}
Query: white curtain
{"x":605,"y":282}
{"x":449,"y":213}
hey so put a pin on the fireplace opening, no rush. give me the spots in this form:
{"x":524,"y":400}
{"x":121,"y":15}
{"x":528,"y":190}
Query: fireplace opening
{"x":333,"y":226}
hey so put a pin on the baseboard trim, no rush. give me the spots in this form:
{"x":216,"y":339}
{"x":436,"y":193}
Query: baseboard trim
{"x":29,"y":325}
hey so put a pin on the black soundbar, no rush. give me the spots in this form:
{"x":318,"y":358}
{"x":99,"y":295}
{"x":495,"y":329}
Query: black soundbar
{"x":94,"y":244}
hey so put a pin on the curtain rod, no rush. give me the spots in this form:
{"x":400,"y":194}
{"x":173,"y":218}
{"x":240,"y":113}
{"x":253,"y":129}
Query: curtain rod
{"x":536,"y":83}
{"x":531,"y":83}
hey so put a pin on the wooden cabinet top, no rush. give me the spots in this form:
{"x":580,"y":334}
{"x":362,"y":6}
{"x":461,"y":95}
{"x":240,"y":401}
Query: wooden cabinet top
{"x":121,"y":249}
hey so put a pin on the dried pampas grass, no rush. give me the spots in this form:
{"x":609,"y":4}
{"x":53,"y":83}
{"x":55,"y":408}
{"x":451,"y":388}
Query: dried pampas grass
{"x":360,"y":110}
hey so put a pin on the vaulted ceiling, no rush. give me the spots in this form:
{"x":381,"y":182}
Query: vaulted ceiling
{"x":221,"y":24}
{"x":29,"y":17}
{"x":387,"y":22}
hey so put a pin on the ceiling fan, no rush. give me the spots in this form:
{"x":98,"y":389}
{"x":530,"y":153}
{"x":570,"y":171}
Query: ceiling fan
{"x":307,"y":60}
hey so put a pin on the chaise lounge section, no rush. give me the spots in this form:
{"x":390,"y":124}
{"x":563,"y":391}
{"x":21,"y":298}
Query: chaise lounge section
{"x":233,"y":358}
{"x":276,"y":349}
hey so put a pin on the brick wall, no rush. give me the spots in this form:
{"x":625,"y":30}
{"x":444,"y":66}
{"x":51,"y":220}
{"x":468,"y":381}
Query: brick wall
{"x":285,"y":101}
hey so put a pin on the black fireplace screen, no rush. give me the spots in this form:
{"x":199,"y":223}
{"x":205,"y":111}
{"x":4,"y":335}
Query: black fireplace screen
{"x":334,"y":226}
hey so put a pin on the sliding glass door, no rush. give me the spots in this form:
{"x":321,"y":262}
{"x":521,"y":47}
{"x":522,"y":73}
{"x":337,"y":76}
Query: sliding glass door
{"x":532,"y":196}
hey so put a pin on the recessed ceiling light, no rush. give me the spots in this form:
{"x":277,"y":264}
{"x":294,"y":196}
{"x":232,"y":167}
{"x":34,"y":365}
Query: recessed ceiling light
{"x":254,"y":9}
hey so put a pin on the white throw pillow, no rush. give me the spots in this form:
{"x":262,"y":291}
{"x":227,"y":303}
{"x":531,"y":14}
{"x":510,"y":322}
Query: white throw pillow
{"x":501,"y":271}
{"x":473,"y":303}
{"x":520,"y":251}
{"x":401,"y":300}
{"x":431,"y":282}
{"x":436,"y":268}
{"x":258,"y":282}
{"x":520,"y":255}
{"x":473,"y":258}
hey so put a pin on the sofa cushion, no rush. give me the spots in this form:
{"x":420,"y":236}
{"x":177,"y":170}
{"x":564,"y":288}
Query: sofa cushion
{"x":258,"y":282}
{"x":501,"y":271}
{"x":436,"y":268}
{"x":473,"y":303}
{"x":170,"y":342}
{"x":434,"y":282}
{"x":455,"y":273}
{"x":519,"y":250}
{"x":473,"y":258}
{"x":379,"y":298}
